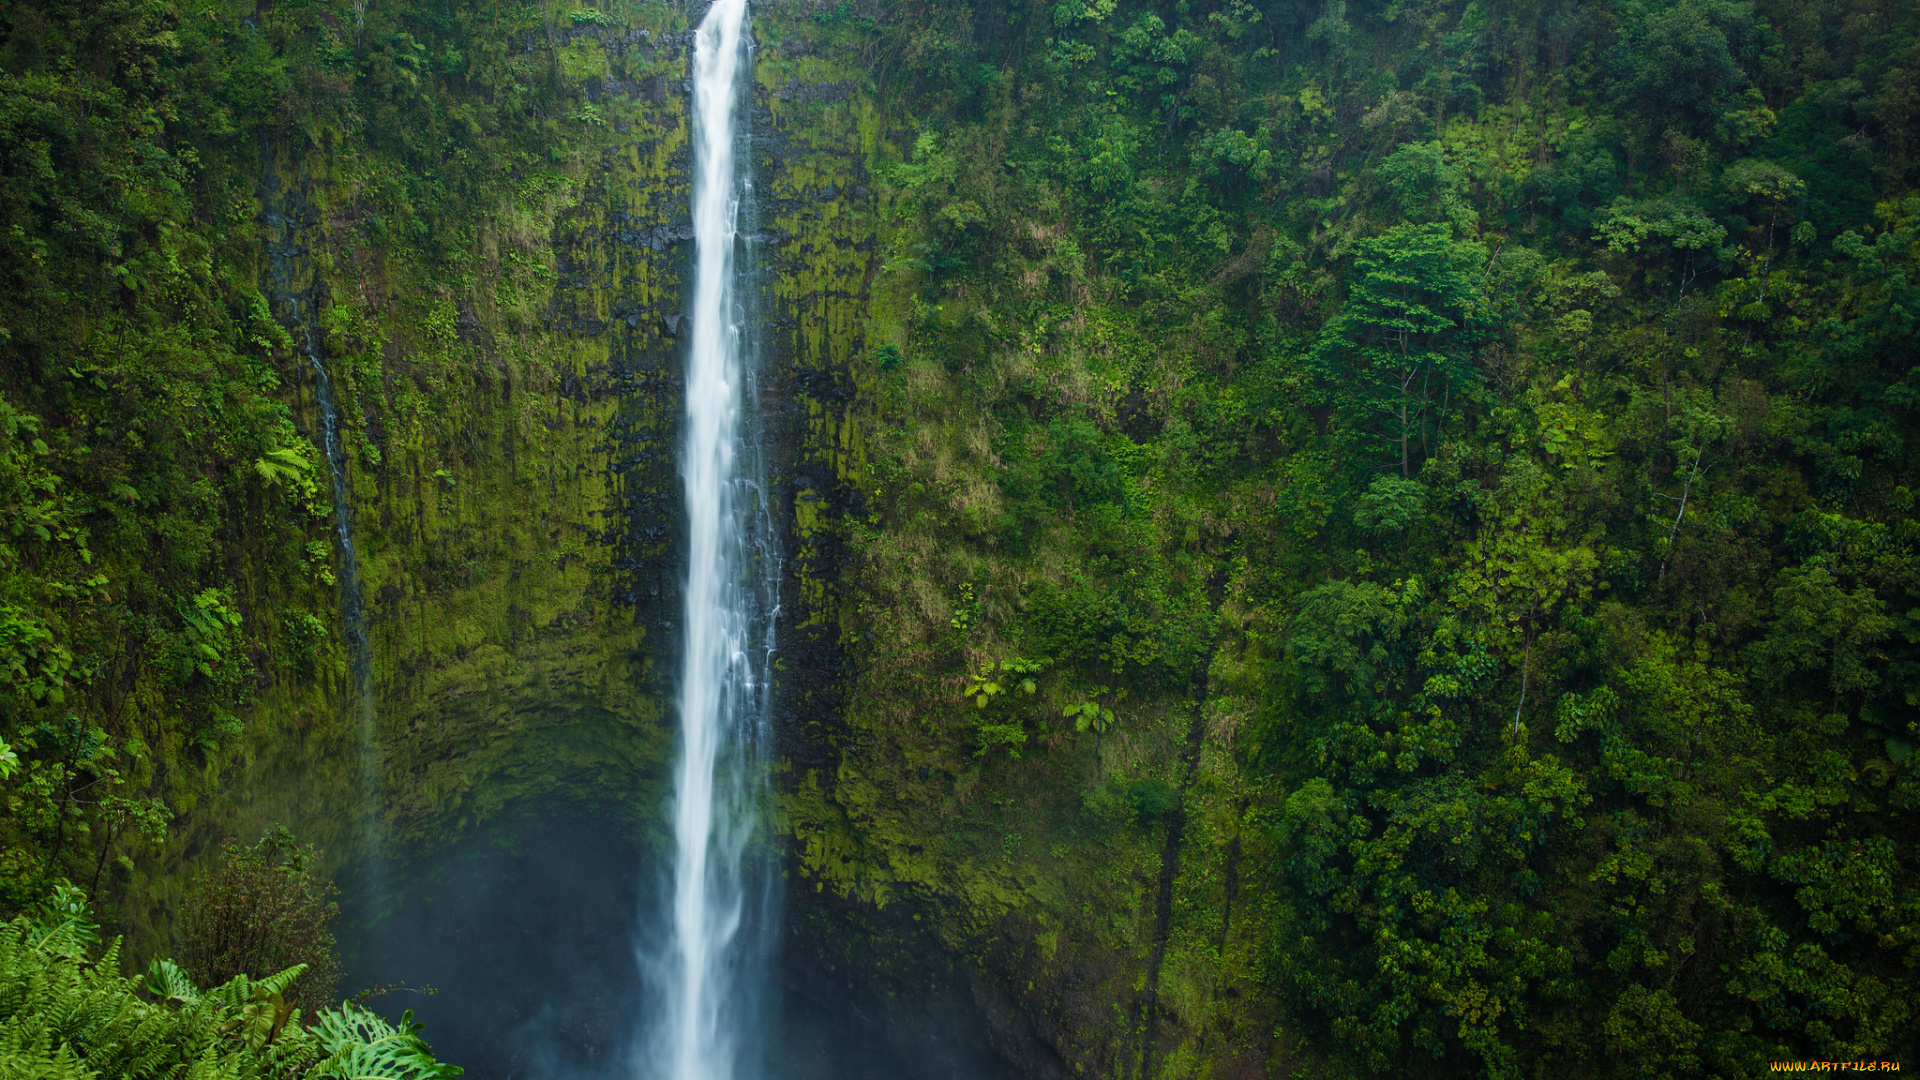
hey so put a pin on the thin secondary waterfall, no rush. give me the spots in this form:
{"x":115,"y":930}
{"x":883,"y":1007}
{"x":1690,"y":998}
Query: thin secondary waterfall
{"x":717,"y":918}
{"x":353,"y":617}
{"x":291,"y":215}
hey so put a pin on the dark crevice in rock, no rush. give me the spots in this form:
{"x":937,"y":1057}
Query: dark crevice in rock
{"x":1146,"y":1014}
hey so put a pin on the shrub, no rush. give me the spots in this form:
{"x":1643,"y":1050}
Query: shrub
{"x":261,"y":911}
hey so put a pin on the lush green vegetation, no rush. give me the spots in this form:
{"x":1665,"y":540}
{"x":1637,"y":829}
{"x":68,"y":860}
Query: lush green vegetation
{"x":142,"y":436}
{"x":1468,"y":449}
{"x":66,"y":1011}
{"x":196,"y":201}
{"x":1371,"y":536}
{"x":194,"y":198}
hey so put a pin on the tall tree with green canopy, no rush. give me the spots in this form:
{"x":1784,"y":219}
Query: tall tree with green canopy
{"x":1401,"y":349}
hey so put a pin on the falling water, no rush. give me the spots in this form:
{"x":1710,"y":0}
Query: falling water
{"x":290,"y":215}
{"x":353,"y":615}
{"x":717,"y":918}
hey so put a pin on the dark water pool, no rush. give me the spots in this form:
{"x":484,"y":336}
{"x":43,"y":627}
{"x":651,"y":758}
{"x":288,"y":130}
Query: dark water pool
{"x":517,"y":949}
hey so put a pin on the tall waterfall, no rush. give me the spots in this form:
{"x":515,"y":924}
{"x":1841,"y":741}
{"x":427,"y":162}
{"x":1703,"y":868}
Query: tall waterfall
{"x":718,"y":894}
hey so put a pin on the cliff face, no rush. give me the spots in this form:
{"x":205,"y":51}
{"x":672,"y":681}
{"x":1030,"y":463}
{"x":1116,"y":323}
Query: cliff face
{"x":455,"y":253}
{"x":509,"y":438}
{"x":511,"y":432}
{"x":970,"y":905}
{"x":507,"y":422}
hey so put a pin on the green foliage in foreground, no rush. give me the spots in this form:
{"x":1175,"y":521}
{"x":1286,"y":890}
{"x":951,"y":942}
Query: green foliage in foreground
{"x":67,"y":1013}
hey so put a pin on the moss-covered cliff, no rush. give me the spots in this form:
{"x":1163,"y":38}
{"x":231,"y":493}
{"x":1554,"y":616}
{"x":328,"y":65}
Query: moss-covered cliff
{"x":1323,"y":539}
{"x":469,"y":222}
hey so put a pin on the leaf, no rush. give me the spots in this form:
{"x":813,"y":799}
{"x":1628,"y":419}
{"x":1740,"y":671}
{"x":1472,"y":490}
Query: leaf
{"x":64,"y":925}
{"x":261,"y":1021}
{"x":167,"y":982}
{"x":363,"y":1046}
{"x":274,"y":985}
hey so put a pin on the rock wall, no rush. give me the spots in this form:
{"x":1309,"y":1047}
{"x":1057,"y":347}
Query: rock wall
{"x":510,"y":442}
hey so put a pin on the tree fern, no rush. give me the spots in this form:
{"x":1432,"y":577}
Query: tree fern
{"x":286,"y":465}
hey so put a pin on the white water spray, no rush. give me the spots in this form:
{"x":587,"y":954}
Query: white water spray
{"x":722,"y":682}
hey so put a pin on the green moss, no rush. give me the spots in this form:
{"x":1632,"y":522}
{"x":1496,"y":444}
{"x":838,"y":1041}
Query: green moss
{"x":487,"y":377}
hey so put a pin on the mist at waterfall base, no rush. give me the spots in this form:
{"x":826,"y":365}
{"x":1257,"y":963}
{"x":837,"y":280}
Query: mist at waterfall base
{"x":525,"y":932}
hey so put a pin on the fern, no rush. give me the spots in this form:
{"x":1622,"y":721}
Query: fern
{"x":65,"y":1015}
{"x":240,"y":990}
{"x":27,"y":1055}
{"x":286,"y":465}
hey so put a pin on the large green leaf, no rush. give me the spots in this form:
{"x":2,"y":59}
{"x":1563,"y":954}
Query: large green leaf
{"x":363,"y":1046}
{"x":167,"y":982}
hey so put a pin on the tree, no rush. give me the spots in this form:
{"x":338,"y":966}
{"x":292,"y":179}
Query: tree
{"x":1683,"y":63}
{"x":1415,"y":310}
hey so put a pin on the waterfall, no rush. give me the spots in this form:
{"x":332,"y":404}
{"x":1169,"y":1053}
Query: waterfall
{"x":289,"y":215}
{"x":353,"y":617}
{"x":718,"y":902}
